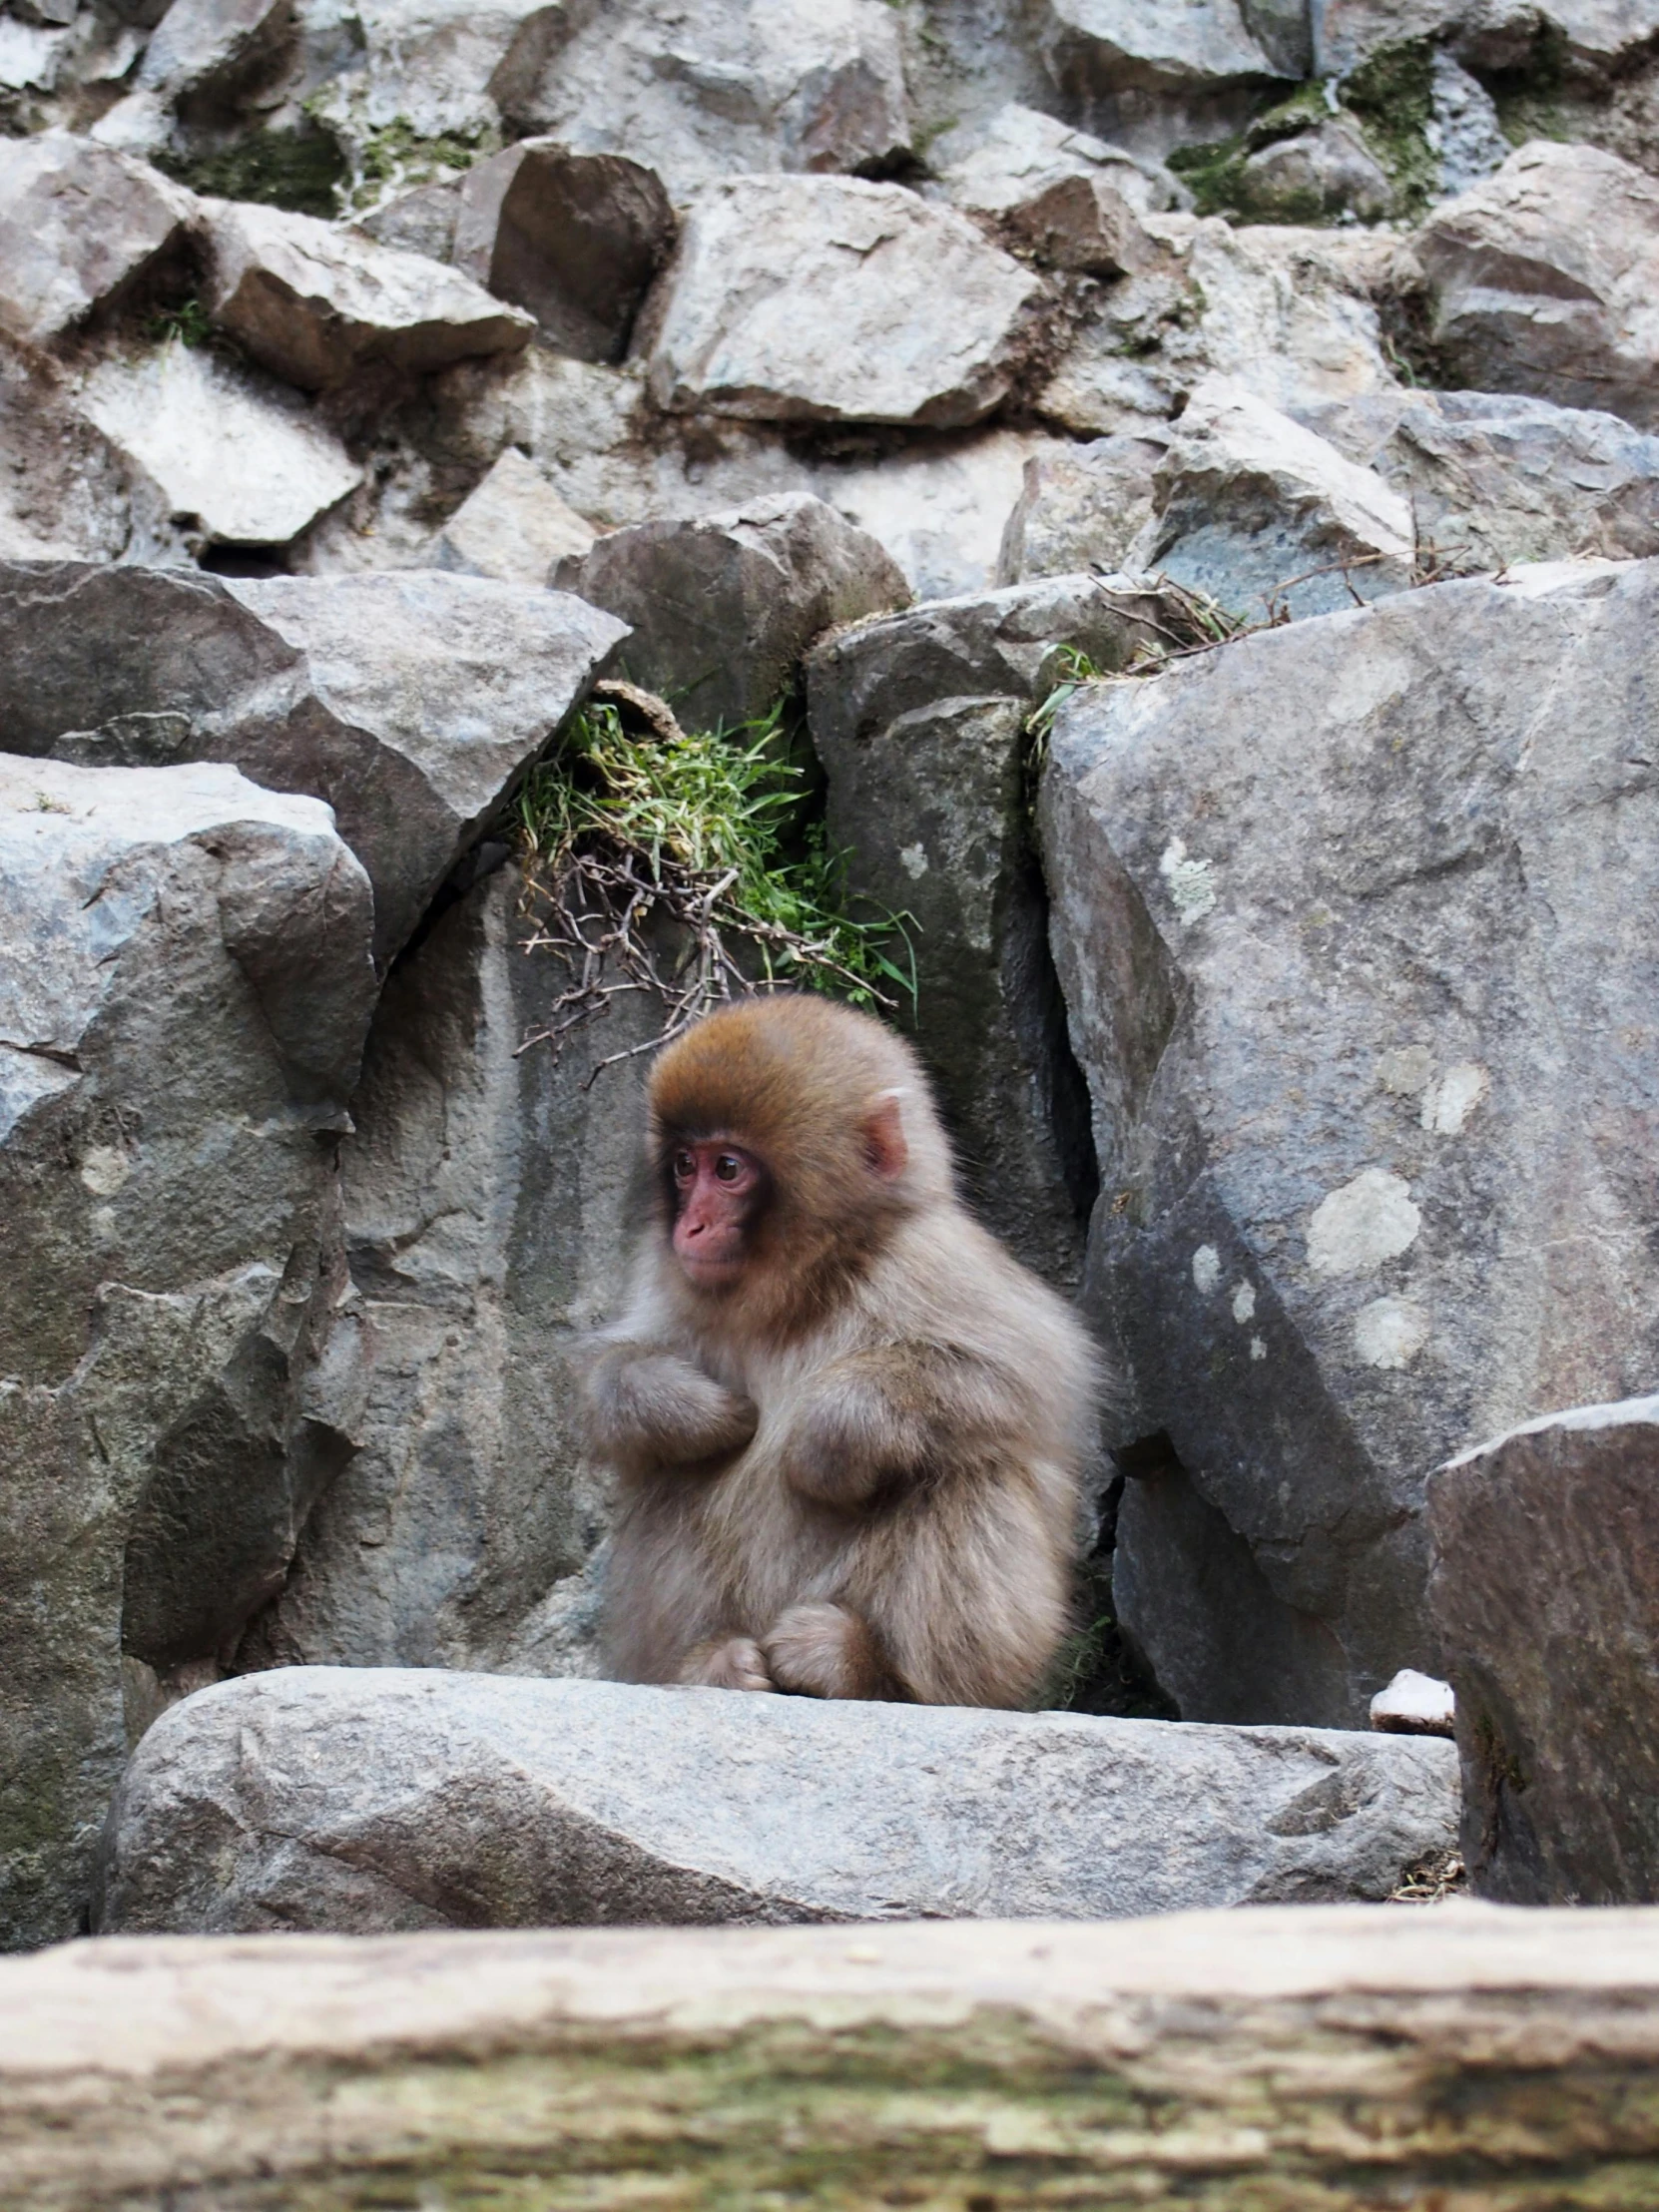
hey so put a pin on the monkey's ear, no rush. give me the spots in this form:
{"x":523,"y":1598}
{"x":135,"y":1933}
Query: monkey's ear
{"x":883,"y":1133}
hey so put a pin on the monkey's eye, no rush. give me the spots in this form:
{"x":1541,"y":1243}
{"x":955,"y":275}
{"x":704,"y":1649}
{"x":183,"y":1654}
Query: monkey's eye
{"x":685,"y":1167}
{"x":728,"y":1167}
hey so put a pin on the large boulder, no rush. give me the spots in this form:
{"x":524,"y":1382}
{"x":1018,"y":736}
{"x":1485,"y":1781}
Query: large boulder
{"x":361,"y":1802}
{"x":312,"y":302}
{"x":483,"y":1192}
{"x":185,"y":985}
{"x":920,"y":722}
{"x":1494,"y":478}
{"x":1545,"y":279}
{"x":574,"y":237}
{"x":1080,"y":507}
{"x":412,"y":701}
{"x":1545,"y":1591}
{"x":1281,"y":2054}
{"x":732,"y":85}
{"x":722,"y":606}
{"x":1291,"y":312}
{"x":1266,"y":518}
{"x":1351,"y":923}
{"x":79,"y":224}
{"x":817,"y":298}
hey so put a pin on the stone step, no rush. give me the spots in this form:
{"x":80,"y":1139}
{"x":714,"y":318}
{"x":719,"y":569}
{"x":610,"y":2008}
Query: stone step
{"x":363,"y":1801}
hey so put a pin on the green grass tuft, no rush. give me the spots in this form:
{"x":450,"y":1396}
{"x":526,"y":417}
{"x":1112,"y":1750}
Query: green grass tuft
{"x":679,"y":860}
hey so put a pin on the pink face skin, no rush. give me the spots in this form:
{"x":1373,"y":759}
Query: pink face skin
{"x":715,"y":1185}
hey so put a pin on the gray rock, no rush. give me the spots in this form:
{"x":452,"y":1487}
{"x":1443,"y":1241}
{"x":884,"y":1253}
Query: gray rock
{"x":1596,"y":36}
{"x":67,"y":493}
{"x":79,"y":224}
{"x":371,"y":1802}
{"x":940,"y":505}
{"x":1289,"y":312}
{"x":1264,"y":517}
{"x":1545,"y":1591}
{"x":312,"y":302}
{"x":1465,"y":121}
{"x":829,"y":300}
{"x":230,"y":457}
{"x":483,"y":1190}
{"x":920,"y":723}
{"x":574,"y":237}
{"x":732,"y":85}
{"x":1001,"y":161}
{"x":1151,"y":73}
{"x":1544,"y":279}
{"x":412,"y":701}
{"x":1358,"y":983}
{"x":425,"y":73}
{"x":937,"y":501}
{"x":418,"y":222}
{"x":185,"y":984}
{"x":1325,"y":172}
{"x":202,"y":55}
{"x":1494,"y":478}
{"x":1080,"y":507}
{"x":513,"y":526}
{"x":722,"y":607}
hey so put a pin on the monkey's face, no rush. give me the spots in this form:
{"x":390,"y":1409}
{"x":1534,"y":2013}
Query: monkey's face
{"x":720,"y":1191}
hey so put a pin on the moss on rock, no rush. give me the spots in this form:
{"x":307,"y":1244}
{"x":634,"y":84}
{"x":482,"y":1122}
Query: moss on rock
{"x":301,"y":170}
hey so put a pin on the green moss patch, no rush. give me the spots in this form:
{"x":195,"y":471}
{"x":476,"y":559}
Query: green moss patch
{"x":300,"y":170}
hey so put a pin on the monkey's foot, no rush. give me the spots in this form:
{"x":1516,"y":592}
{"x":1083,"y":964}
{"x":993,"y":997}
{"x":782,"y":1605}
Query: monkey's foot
{"x":726,"y":1663}
{"x":823,"y":1650}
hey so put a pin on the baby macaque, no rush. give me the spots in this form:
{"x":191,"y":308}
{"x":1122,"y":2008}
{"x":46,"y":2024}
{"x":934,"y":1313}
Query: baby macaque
{"x":847,"y":1426}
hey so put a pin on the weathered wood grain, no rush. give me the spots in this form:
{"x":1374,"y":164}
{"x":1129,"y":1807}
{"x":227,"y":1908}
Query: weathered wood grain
{"x":1464,"y":2057}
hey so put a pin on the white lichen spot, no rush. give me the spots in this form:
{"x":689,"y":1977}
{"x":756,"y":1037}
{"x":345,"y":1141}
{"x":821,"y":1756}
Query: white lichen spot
{"x":1448,"y":1101}
{"x":1367,"y":1222}
{"x":1191,"y":889}
{"x":1406,"y":1070}
{"x":1243,"y":1302}
{"x":1206,"y":1268}
{"x":103,"y":1223}
{"x":104,"y":1170}
{"x":1258,"y":1349}
{"x":1390,"y":1332}
{"x":913,"y":859}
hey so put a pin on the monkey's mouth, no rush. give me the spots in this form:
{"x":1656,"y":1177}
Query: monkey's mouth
{"x":710,"y":1270}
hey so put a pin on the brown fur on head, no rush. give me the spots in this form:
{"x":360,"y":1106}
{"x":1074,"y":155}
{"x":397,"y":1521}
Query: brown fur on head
{"x":799,"y":1081}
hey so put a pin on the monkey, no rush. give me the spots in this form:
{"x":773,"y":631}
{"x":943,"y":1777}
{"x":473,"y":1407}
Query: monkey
{"x":847,"y":1425}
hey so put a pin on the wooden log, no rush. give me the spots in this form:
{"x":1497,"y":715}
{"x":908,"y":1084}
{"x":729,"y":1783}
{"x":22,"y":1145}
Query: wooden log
{"x":1460,"y":2058}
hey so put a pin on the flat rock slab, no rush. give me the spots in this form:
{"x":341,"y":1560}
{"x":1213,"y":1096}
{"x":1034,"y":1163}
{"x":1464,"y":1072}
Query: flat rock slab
{"x":1270,"y":2057}
{"x":410,"y":701}
{"x":1545,"y":1589}
{"x":363,"y":1801}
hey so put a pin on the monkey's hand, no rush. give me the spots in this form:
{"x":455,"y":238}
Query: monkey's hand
{"x":726,"y":1663}
{"x":653,"y":1409}
{"x":827,"y":1651}
{"x":881,"y":1419}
